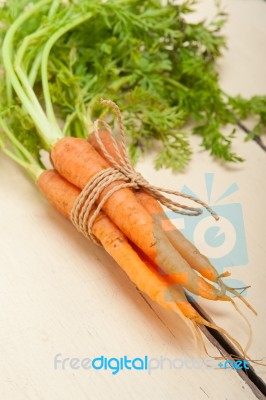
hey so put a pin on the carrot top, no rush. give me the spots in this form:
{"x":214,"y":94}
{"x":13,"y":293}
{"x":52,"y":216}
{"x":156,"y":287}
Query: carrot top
{"x":59,"y":57}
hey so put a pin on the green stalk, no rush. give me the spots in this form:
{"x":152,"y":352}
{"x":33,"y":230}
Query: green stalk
{"x":33,"y":172}
{"x":38,"y":59}
{"x":54,"y":8}
{"x":42,"y":58}
{"x":18,"y":62}
{"x":69,"y":120}
{"x":177,"y":84}
{"x":7,"y":48}
{"x":39,"y":118}
{"x":120,"y":82}
{"x":34,"y":69}
{"x":23,"y":156}
{"x":26,"y":43}
{"x":44,"y":66}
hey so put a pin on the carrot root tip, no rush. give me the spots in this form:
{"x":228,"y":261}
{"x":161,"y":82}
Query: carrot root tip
{"x":225,"y":288}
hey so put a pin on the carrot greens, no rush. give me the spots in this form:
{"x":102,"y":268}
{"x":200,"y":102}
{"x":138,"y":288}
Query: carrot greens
{"x":59,"y":57}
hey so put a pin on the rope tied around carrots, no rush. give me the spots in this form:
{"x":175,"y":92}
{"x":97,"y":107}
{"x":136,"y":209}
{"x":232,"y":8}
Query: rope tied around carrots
{"x":82,"y":216}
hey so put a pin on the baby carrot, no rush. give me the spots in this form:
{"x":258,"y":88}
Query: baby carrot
{"x":187,"y":250}
{"x":77,"y":161}
{"x":62,"y":195}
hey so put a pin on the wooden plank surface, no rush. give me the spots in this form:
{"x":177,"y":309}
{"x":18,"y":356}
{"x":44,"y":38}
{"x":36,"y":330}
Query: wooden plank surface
{"x":242,"y":72}
{"x":61,"y":294}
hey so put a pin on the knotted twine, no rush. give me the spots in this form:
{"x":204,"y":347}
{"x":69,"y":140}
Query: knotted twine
{"x":84,"y":211}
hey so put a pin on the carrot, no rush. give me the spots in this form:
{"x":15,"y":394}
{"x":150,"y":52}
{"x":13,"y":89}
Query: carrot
{"x":62,"y":196}
{"x":187,"y":250}
{"x":78,"y":162}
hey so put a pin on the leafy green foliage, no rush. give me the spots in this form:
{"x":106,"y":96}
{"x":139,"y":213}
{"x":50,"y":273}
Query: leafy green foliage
{"x":255,"y":106}
{"x":159,"y":68}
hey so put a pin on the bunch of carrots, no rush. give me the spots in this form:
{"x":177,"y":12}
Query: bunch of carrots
{"x":129,"y":225}
{"x":130,"y":229}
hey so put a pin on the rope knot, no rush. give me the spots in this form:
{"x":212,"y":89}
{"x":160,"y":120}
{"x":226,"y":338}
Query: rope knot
{"x":84,"y":213}
{"x":137,"y":178}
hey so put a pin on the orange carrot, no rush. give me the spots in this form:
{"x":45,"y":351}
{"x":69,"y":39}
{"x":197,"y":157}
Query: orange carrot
{"x":78,"y":162}
{"x":62,"y":195}
{"x":187,"y":250}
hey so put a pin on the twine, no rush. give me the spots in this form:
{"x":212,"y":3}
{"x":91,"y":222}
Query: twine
{"x":84,"y":211}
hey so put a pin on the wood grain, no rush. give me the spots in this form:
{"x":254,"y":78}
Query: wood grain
{"x":61,"y":294}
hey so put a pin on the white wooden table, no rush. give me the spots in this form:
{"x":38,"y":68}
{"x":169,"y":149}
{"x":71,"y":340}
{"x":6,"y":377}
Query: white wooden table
{"x":61,"y":294}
